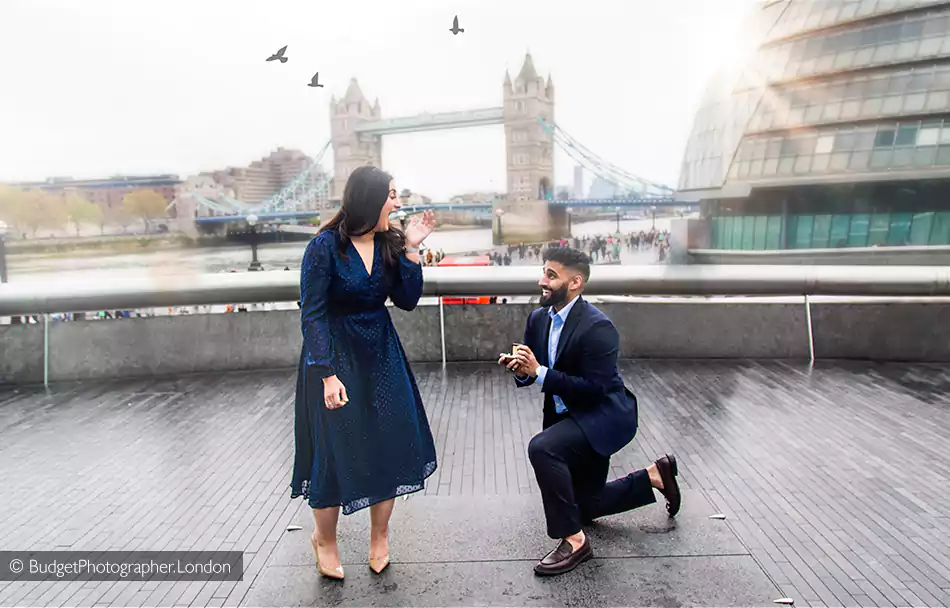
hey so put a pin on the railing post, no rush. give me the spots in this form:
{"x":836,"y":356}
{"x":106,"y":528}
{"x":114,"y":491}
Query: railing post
{"x":811,"y":333}
{"x":442,"y":330}
{"x":46,"y":350}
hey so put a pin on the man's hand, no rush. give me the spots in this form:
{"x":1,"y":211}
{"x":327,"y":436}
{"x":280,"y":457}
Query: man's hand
{"x":527,"y":362}
{"x":510,"y":363}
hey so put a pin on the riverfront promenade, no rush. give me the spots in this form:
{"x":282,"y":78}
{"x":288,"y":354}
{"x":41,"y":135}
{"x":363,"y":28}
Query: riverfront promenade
{"x":833,"y":481}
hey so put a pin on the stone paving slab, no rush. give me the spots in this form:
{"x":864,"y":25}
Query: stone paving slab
{"x":453,"y":529}
{"x":481,"y":552}
{"x":685,"y":581}
{"x":834,"y":478}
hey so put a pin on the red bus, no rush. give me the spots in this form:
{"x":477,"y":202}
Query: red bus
{"x":477,"y":260}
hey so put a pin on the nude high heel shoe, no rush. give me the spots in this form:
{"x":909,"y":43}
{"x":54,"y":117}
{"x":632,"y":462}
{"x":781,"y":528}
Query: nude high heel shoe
{"x":378,"y":564}
{"x":334,"y":573}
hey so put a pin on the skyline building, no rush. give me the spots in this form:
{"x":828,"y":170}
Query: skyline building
{"x":835,"y":132}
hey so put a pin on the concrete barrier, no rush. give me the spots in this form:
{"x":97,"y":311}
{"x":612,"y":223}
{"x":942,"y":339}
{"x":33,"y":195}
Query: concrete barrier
{"x":21,"y":354}
{"x":680,"y":328}
{"x":912,"y":331}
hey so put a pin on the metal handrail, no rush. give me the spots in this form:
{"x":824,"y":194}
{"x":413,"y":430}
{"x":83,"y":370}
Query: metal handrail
{"x":279,"y":286}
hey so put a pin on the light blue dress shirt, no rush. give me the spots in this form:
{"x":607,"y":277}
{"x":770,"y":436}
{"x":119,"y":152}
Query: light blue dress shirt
{"x":557,"y":324}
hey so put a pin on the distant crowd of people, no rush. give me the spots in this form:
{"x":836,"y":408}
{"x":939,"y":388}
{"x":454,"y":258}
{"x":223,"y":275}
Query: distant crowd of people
{"x":601,"y":249}
{"x":432,"y":258}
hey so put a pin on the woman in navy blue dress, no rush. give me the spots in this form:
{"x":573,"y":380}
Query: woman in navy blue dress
{"x":361,"y":433}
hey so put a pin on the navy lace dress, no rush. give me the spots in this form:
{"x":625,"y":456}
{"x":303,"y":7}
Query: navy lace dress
{"x":379,"y":445}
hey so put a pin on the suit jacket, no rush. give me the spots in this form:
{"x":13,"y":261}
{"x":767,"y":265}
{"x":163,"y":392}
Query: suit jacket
{"x":585,"y":375}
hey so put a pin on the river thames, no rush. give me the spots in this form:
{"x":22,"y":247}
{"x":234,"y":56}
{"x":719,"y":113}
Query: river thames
{"x":184,"y":262}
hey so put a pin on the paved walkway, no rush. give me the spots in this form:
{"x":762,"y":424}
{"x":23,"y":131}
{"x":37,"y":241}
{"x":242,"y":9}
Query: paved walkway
{"x":833,"y":480}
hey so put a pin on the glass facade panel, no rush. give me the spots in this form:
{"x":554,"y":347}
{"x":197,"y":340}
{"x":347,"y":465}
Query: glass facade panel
{"x":878,"y":228}
{"x":723,"y":238}
{"x":924,"y":157}
{"x":899,"y":233}
{"x":821,"y":231}
{"x":943,"y":155}
{"x":928,"y":135}
{"x":885,"y":137}
{"x":773,"y":232}
{"x":803,"y":164}
{"x":872,"y":107}
{"x":940,"y":232}
{"x":892,"y":104}
{"x":903,"y":157}
{"x":840,"y":225}
{"x":851,"y":109}
{"x":914,"y":102}
{"x":858,"y":232}
{"x":803,"y":229}
{"x":715,"y":233}
{"x":839,"y":161}
{"x":737,"y":233}
{"x":859,"y":161}
{"x":748,"y":232}
{"x":880,"y":159}
{"x":761,"y":225}
{"x":920,"y":228}
{"x":938,"y":100}
{"x":832,"y":111}
{"x":906,"y":134}
{"x":825,"y":144}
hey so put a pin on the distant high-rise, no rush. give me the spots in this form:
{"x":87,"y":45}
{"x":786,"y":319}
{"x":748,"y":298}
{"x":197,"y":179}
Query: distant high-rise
{"x":264,"y":178}
{"x":601,"y":188}
{"x":578,"y":190}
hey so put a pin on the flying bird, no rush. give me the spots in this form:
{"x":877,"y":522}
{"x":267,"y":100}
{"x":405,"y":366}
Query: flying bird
{"x":313,"y":81}
{"x":279,"y":55}
{"x":455,"y":26}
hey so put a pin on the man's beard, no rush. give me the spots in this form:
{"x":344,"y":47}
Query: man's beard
{"x":557,"y":296}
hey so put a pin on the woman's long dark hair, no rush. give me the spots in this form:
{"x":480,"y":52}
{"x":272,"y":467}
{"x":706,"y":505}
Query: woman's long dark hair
{"x":366,"y":191}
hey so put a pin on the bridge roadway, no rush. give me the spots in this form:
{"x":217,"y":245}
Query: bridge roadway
{"x":833,"y":481}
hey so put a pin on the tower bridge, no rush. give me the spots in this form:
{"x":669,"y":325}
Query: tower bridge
{"x":357,"y":129}
{"x":527,"y":113}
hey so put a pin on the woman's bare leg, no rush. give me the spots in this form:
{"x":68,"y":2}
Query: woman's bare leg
{"x":379,"y":515}
{"x":324,"y":535}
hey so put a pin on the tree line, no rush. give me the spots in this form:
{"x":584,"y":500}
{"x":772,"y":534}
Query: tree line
{"x":28,"y":211}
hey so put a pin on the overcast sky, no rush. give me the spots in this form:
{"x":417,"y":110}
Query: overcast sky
{"x":93,"y":88}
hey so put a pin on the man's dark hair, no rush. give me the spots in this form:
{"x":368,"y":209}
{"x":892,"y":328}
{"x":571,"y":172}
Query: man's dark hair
{"x":571,"y":258}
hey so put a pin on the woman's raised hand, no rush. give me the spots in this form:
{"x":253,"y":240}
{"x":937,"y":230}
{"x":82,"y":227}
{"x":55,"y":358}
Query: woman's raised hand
{"x":419,"y":228}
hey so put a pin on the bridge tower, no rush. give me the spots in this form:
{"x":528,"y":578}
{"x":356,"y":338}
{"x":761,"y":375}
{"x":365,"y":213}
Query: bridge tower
{"x":529,"y":148}
{"x":350,"y":148}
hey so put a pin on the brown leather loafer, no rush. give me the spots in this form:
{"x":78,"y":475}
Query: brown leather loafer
{"x":563,"y":559}
{"x":671,"y":489}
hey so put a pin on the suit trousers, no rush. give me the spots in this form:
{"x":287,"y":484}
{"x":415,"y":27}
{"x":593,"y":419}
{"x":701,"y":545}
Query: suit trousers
{"x":572,"y":478}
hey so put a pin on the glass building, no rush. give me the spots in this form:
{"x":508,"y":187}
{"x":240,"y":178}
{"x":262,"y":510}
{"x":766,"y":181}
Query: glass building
{"x":834,"y":132}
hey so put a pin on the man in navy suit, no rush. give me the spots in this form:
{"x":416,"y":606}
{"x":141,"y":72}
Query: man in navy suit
{"x":570,"y":350}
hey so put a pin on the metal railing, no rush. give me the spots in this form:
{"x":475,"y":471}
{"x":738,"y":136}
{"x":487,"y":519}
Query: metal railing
{"x":700,"y":280}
